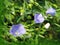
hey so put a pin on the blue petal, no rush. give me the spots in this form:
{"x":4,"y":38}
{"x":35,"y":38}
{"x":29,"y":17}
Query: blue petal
{"x":38,"y":18}
{"x":51,"y":11}
{"x":17,"y":30}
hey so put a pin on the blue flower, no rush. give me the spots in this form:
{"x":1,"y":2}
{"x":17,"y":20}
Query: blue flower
{"x":38,"y":18}
{"x":17,"y":30}
{"x":51,"y":11}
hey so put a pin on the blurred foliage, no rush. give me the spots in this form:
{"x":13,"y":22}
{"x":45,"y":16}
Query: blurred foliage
{"x":22,"y":11}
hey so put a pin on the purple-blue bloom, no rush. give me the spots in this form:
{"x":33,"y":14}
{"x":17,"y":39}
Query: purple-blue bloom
{"x":38,"y":18}
{"x":51,"y":11}
{"x":17,"y":30}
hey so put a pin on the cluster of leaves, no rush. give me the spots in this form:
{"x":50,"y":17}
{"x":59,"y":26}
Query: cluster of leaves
{"x":22,"y":11}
